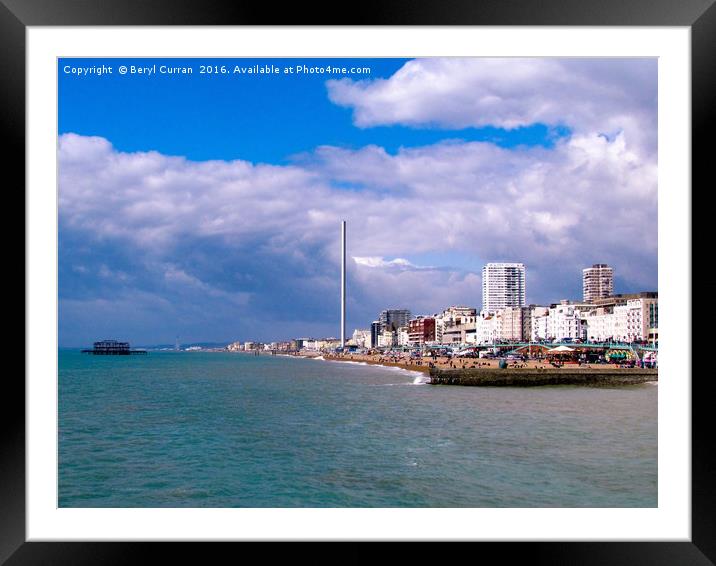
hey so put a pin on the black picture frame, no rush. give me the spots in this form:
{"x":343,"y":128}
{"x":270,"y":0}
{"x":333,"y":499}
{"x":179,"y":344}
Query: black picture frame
{"x":16,"y":15}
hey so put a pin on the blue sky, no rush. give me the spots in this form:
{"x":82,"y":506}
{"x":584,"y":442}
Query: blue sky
{"x":260,"y":118}
{"x":205,"y":206}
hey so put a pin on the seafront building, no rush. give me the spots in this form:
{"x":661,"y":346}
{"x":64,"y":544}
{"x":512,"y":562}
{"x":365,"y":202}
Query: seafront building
{"x":393,"y":319}
{"x":618,"y":317}
{"x":487,"y":328}
{"x":362,"y":338}
{"x":625,"y":319}
{"x":402,"y":336}
{"x":375,"y":331}
{"x":601,"y":325}
{"x":539,"y":323}
{"x":452,"y":324}
{"x":387,"y":339}
{"x":421,"y":330}
{"x":597,"y":282}
{"x":459,"y":331}
{"x":503,"y":285}
{"x":515,"y":323}
{"x":565,"y":321}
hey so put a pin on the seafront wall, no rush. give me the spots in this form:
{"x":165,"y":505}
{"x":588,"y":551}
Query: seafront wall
{"x":523,"y":377}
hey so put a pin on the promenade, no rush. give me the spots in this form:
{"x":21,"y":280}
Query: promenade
{"x":444,"y":363}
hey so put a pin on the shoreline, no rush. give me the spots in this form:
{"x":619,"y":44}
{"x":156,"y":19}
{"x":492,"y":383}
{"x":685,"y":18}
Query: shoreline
{"x":371,"y":362}
{"x":533,"y":373}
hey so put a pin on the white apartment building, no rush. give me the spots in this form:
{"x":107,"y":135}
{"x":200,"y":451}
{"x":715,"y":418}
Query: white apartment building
{"x":565,"y":321}
{"x":311,"y":344}
{"x":387,"y":339}
{"x":513,"y":323}
{"x":503,"y":285}
{"x":403,"y":337}
{"x":316,"y":345}
{"x":361,"y":338}
{"x":471,"y":335}
{"x":600,"y":325}
{"x":540,"y":317}
{"x":597,"y":282}
{"x":487,"y":328}
{"x":638,"y":319}
{"x":633,"y":319}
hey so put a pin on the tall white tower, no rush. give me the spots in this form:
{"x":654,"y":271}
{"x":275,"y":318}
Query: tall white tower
{"x":597,"y":282}
{"x":343,"y":284}
{"x":503,"y":285}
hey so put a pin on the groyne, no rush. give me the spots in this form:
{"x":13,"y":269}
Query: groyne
{"x":528,"y":377}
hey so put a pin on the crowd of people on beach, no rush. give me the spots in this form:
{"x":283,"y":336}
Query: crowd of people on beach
{"x":424,"y":362}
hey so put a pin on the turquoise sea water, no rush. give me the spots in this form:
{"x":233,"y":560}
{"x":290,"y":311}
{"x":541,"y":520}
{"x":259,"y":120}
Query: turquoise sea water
{"x":197,"y":429}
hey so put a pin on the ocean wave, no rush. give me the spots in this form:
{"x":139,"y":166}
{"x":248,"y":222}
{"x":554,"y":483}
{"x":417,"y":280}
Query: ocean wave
{"x":418,"y":374}
{"x":420,"y":377}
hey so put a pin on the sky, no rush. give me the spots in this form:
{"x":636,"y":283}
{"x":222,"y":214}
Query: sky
{"x":207,"y":206}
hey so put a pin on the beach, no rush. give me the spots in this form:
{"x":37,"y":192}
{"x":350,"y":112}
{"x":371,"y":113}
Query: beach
{"x":445,"y":363}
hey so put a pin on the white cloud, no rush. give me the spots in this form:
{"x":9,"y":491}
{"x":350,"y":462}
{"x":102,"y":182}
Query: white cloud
{"x":587,"y":95}
{"x":587,"y":200}
{"x":398,"y":262}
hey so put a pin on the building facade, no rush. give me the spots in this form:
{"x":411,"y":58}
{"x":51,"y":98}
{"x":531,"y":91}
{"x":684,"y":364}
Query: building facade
{"x":362,"y":338}
{"x":503,"y":285}
{"x":387,"y":339}
{"x":374,"y":333}
{"x":402,"y":336}
{"x":565,"y":321}
{"x":597,"y":282}
{"x":515,"y":325}
{"x":487,"y":328}
{"x":392,"y":319}
{"x":421,"y":330}
{"x":452,"y":324}
{"x":625,"y":318}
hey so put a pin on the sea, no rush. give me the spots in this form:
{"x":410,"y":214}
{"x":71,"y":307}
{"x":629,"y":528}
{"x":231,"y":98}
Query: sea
{"x":220,"y":429}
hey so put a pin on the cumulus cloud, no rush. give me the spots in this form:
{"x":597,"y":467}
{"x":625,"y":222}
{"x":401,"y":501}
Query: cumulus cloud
{"x":234,"y":249}
{"x":398,"y":262}
{"x":588,"y":95}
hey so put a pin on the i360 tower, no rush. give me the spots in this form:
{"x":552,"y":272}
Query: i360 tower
{"x":343,"y":284}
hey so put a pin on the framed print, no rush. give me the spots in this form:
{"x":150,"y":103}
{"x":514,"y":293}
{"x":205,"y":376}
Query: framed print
{"x":223,"y":208}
